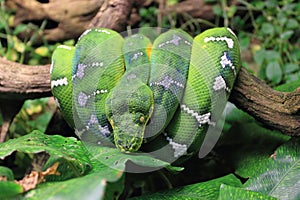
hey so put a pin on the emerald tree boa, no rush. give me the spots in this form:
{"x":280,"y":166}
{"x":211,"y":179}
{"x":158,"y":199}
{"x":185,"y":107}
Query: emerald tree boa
{"x":130,"y":94}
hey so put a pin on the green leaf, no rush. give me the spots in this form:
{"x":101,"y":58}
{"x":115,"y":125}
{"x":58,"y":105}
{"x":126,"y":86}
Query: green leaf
{"x":89,"y":187}
{"x":217,"y":10}
{"x":286,"y":35}
{"x":292,"y":24}
{"x":20,"y":28}
{"x":115,"y":159}
{"x":267,"y":28}
{"x":244,"y":40}
{"x":231,"y":11}
{"x":6,"y":172}
{"x":229,"y":192}
{"x":271,"y":55}
{"x":259,"y":56}
{"x":290,"y":68}
{"x":271,"y":4}
{"x":247,"y":143}
{"x":69,"y":152}
{"x":205,"y":190}
{"x":8,"y":189}
{"x":280,"y":175}
{"x":274,"y":72}
{"x":258,"y":5}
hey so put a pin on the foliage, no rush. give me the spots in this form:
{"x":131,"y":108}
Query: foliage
{"x":275,"y":36}
{"x":249,"y":161}
{"x":262,"y":164}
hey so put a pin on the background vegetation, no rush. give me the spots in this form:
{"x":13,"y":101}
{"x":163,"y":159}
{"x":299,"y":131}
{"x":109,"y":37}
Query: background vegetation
{"x":249,"y":161}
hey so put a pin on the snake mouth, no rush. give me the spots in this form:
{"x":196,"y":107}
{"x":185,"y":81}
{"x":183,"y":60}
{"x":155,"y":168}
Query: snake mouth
{"x":127,"y":143}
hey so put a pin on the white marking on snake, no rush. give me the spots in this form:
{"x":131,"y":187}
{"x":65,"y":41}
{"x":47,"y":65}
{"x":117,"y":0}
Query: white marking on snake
{"x":188,"y":43}
{"x":52,"y":66}
{"x":99,"y":92}
{"x":57,"y":102}
{"x":80,"y":70}
{"x":103,"y":31}
{"x":136,"y":55}
{"x":97,"y":30}
{"x":202,"y":119}
{"x":84,"y":33}
{"x":179,"y":149}
{"x":228,"y":40}
{"x":93,"y":120}
{"x":231,"y":32}
{"x":96,"y":64}
{"x":167,"y":82}
{"x":174,"y":41}
{"x":131,"y":76}
{"x":82,"y":99}
{"x":104,"y":130}
{"x":220,"y":83}
{"x":64,"y":47}
{"x":59,"y":82}
{"x":225,"y":61}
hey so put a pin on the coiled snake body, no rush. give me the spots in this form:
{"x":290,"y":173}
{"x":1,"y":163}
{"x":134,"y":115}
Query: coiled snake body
{"x":136,"y":96}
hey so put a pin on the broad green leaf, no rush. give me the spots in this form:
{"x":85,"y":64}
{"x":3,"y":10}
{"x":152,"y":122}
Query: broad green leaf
{"x":245,"y":135}
{"x":280,"y":175}
{"x":258,"y":5}
{"x":274,"y":72}
{"x":244,"y":40}
{"x":246,"y":143}
{"x":295,"y":54}
{"x":271,"y":4}
{"x":292,"y":24}
{"x":115,"y":159}
{"x":286,"y":35}
{"x":205,"y":190}
{"x":6,"y":172}
{"x":267,"y":28}
{"x":9,"y":189}
{"x":229,"y":192}
{"x":271,"y":55}
{"x":259,"y":56}
{"x":89,"y":187}
{"x":69,"y":152}
{"x":290,"y":67}
{"x":217,"y":10}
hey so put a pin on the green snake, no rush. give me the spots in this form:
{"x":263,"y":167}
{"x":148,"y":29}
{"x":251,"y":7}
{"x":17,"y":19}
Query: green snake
{"x":128,"y":93}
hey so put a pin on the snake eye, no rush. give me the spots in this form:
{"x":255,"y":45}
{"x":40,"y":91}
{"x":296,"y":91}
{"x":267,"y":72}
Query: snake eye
{"x":142,"y":119}
{"x":139,"y":119}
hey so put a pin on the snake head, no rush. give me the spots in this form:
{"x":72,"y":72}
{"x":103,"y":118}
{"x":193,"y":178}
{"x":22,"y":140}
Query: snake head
{"x":128,"y":115}
{"x":128,"y":140}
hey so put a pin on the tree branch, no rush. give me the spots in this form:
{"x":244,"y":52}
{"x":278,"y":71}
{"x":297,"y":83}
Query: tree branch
{"x":21,"y":82}
{"x":278,"y":110}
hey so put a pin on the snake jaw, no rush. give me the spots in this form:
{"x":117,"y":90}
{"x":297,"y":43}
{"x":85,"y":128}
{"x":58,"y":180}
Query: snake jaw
{"x":127,"y":143}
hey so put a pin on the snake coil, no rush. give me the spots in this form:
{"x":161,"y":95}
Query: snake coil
{"x":129,"y":93}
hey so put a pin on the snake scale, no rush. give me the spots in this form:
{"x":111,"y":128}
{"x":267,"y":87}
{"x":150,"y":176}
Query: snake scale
{"x":128,"y":93}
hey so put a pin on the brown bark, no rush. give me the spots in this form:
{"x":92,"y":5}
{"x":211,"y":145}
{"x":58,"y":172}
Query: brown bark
{"x":110,"y":11}
{"x":21,"y":82}
{"x":278,"y":110}
{"x":67,"y":19}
